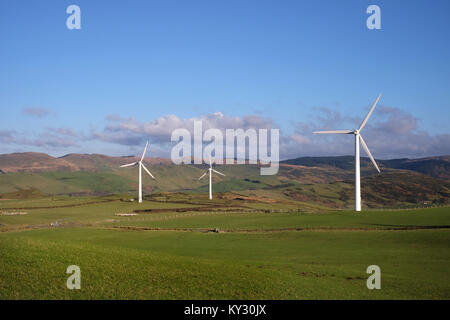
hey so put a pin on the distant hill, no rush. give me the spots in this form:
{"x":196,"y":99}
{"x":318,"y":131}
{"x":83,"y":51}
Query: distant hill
{"x":438,"y":167}
{"x":33,"y":162}
{"x":99,"y":162}
{"x":404,"y":187}
{"x":342,"y":162}
{"x":400,"y":188}
{"x":326,"y":181}
{"x":41,"y":162}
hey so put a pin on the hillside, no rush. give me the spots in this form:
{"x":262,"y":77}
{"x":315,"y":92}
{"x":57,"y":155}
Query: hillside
{"x":33,"y":162}
{"x":406,"y":187}
{"x":438,"y":167}
{"x":99,"y":162}
{"x":41,"y":162}
{"x":323,"y":181}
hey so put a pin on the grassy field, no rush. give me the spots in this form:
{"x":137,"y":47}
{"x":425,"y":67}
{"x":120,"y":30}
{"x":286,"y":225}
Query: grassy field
{"x":274,"y":221}
{"x":259,"y":256}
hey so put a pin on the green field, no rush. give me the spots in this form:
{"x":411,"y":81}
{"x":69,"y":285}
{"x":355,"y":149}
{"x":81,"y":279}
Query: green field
{"x":279,"y":250}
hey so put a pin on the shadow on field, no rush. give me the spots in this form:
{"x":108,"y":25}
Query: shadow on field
{"x":407,"y":227}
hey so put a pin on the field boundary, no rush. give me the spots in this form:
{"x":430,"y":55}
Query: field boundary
{"x":216,"y":230}
{"x":62,"y":206}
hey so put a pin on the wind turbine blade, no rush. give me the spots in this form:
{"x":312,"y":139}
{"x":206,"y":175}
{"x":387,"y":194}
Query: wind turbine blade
{"x":128,"y":165}
{"x":147,"y":170}
{"x":145,"y":150}
{"x":335,"y":131}
{"x":210,"y":163}
{"x":370,"y":112}
{"x":203,"y":175}
{"x":368,"y":152}
{"x":218,"y":172}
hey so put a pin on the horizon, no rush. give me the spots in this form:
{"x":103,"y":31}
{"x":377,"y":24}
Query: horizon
{"x":245,"y":159}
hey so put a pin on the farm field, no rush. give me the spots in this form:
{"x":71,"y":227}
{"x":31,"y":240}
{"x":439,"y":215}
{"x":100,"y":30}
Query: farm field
{"x":224,"y":249}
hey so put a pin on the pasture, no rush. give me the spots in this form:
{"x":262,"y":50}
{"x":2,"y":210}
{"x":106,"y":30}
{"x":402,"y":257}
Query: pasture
{"x":169,"y":250}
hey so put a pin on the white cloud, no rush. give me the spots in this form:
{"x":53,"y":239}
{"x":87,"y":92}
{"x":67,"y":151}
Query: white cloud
{"x":390,"y":133}
{"x":50,"y":138}
{"x":129,"y":131}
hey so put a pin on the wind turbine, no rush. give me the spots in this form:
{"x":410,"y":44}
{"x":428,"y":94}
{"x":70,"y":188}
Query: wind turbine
{"x":141,"y":165}
{"x":210,"y":170}
{"x":358,"y":139}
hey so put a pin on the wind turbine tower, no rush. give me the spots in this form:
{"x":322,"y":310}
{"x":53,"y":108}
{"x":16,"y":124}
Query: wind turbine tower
{"x":141,"y":165}
{"x":210,"y":171}
{"x":358,"y":139}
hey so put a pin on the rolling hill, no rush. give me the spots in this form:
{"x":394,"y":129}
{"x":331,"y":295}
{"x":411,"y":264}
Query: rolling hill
{"x":438,"y":167}
{"x":41,"y":162}
{"x":327,"y":181}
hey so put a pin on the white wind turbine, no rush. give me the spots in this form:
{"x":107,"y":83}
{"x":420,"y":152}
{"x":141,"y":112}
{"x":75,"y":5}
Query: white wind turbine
{"x":141,"y":165}
{"x":358,"y":138}
{"x":210,"y":170}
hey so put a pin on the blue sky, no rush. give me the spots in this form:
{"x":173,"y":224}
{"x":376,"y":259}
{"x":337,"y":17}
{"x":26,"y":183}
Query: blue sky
{"x":294,"y":65}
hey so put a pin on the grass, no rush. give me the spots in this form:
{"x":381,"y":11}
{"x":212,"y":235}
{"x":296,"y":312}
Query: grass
{"x":74,"y":210}
{"x":128,"y":264}
{"x":185,"y":265}
{"x":105,"y":182}
{"x":337,"y":219}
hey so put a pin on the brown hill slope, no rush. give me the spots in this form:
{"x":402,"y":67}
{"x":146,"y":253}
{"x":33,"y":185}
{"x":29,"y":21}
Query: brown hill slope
{"x":41,"y":162}
{"x":389,"y":189}
{"x":438,"y":167}
{"x":34,"y":162}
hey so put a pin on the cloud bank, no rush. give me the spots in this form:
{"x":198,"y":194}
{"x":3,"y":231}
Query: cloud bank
{"x":128,"y":131}
{"x":53,"y":138}
{"x":390,"y":133}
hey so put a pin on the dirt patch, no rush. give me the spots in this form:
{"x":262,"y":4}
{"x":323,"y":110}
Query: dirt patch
{"x":355,"y":278}
{"x":313,"y":274}
{"x":216,"y":207}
